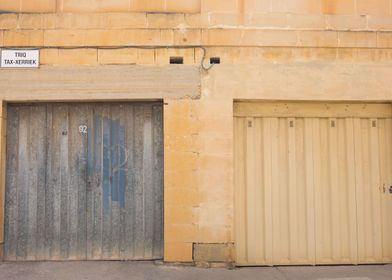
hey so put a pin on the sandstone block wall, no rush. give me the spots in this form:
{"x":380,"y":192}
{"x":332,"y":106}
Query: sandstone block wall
{"x":313,"y":50}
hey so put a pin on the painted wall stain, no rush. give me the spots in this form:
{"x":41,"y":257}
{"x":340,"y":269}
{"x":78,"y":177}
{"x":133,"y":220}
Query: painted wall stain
{"x":107,"y":160}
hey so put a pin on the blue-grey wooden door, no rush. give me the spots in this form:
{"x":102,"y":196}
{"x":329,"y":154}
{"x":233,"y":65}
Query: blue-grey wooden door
{"x":84,"y":181}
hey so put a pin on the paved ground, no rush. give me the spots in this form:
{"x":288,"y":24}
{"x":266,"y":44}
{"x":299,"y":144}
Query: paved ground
{"x":152,"y":271}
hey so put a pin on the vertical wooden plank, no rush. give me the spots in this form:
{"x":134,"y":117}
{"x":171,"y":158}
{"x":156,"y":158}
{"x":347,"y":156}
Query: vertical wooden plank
{"x":11,"y":209}
{"x":240,"y":189}
{"x":95,"y":195}
{"x":64,"y":177}
{"x":23,"y":183}
{"x":138,"y":202}
{"x":147,"y":182}
{"x":31,"y":184}
{"x":73,"y":154}
{"x":49,"y":183}
{"x":91,"y":184}
{"x":130,"y":182}
{"x":77,"y":181}
{"x":157,"y":180}
{"x":106,"y":179}
{"x":115,"y":180}
{"x":82,"y":175}
{"x":36,"y":182}
{"x":123,"y":158}
{"x":41,"y":164}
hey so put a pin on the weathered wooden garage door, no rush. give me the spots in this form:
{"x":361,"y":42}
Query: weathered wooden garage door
{"x":313,"y":183}
{"x":84,"y":181}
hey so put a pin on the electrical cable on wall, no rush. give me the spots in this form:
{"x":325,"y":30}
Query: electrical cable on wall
{"x":202,"y":65}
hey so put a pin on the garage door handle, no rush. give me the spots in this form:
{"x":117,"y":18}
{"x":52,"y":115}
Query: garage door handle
{"x":390,"y":189}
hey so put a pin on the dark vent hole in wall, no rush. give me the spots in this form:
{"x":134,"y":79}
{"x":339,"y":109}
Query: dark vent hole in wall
{"x":215,"y":60}
{"x":176,"y":60}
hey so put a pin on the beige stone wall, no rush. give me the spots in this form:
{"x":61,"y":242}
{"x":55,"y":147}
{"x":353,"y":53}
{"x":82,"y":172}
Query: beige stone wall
{"x":314,"y":50}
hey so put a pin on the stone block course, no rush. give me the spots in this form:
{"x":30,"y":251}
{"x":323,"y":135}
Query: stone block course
{"x":373,"y":7}
{"x":224,"y":20}
{"x":346,"y":22}
{"x":384,"y":40}
{"x":357,"y":39}
{"x":10,"y":5}
{"x":295,"y":21}
{"x":22,"y":38}
{"x":8,"y":21}
{"x":297,"y":7}
{"x":178,"y":252}
{"x":180,"y":233}
{"x":180,"y":214}
{"x":165,"y":20}
{"x":120,"y":56}
{"x":183,"y":6}
{"x":76,"y":6}
{"x":182,"y":196}
{"x":268,"y":38}
{"x":208,"y":6}
{"x":30,"y":21}
{"x":187,"y":37}
{"x":266,"y":20}
{"x":28,"y":6}
{"x":334,"y":7}
{"x":317,"y":38}
{"x":213,"y":252}
{"x":380,"y":23}
{"x":79,"y":56}
{"x":257,"y":6}
{"x":38,"y":6}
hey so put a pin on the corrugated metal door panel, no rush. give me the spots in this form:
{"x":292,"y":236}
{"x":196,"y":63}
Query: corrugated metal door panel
{"x":385,"y":134}
{"x":84,"y":181}
{"x":335,"y":216}
{"x":313,"y":187}
{"x":275,"y":230}
{"x":369,"y":223}
{"x":368,"y":190}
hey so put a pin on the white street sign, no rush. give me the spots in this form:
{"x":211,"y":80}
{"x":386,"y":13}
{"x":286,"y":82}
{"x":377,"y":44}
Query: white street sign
{"x":19,"y":58}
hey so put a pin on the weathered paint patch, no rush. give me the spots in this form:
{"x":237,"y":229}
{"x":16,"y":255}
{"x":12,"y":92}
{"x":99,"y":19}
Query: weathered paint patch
{"x":114,"y":161}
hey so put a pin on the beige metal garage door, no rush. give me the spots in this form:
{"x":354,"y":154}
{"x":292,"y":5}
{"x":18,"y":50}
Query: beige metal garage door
{"x":312,"y":183}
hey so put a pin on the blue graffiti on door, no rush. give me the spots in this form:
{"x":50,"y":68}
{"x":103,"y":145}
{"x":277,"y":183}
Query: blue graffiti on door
{"x":108,"y":159}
